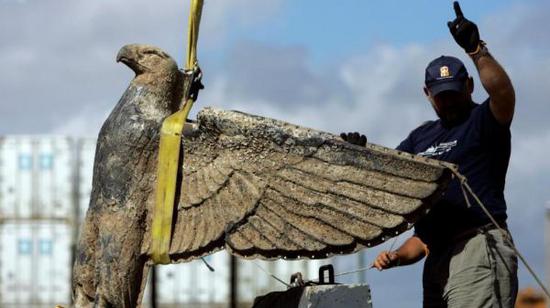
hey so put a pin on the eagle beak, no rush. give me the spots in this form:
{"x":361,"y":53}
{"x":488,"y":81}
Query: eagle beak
{"x":128,"y":56}
{"x":125,"y":54}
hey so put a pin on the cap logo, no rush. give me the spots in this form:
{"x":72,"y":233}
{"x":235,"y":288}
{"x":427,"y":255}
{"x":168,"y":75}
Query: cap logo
{"x":444,"y":72}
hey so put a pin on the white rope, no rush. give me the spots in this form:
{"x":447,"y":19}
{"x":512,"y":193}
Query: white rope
{"x":464,"y":185}
{"x":272,"y":275}
{"x":393,"y":243}
{"x":354,"y":271}
{"x":465,"y":189}
{"x":363,"y":268}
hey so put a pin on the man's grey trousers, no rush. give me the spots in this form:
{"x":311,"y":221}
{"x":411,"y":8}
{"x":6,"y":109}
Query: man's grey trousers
{"x":480,"y":271}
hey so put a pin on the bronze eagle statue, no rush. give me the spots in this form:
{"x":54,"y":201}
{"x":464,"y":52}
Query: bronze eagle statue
{"x":258,"y":187}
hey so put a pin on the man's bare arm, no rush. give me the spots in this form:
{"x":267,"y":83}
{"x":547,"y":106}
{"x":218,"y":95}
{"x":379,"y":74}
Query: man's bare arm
{"x":412,"y":251}
{"x":497,"y":83}
{"x":493,"y":77}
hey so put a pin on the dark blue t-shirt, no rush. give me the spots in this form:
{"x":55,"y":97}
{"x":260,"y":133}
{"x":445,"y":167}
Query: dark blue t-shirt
{"x":480,"y":146}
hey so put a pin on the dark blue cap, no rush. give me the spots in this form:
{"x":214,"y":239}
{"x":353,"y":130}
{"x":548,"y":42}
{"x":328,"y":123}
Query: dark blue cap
{"x":445,"y":74}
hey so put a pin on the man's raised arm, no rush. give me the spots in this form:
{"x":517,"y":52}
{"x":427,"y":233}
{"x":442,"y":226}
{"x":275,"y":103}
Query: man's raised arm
{"x":493,"y":77}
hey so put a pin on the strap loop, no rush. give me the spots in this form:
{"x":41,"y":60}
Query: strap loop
{"x":169,"y":151}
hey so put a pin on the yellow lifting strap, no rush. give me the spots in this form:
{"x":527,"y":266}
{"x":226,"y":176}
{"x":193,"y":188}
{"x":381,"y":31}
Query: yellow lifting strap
{"x":169,"y":152}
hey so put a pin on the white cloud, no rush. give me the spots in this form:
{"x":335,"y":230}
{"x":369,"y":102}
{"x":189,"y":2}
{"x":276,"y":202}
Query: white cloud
{"x":60,"y":55}
{"x":380,"y":94}
{"x":86,"y":123}
{"x":63,"y":79}
{"x":532,"y":152}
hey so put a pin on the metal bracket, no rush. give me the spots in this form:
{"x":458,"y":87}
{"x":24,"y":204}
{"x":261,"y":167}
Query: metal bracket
{"x":322,"y":270}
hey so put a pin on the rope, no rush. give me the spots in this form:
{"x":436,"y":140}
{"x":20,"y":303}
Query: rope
{"x":362,"y":269}
{"x":464,"y":185}
{"x":465,"y":190}
{"x":271,"y":275}
{"x":210,"y":268}
{"x":354,"y":271}
{"x":393,"y":243}
{"x":169,"y":154}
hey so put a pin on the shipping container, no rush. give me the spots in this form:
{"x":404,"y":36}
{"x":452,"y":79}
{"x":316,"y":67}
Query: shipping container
{"x":255,"y":275}
{"x":85,"y":157}
{"x":35,"y":264}
{"x":45,"y":183}
{"x":194,"y":284}
{"x":36,"y":177}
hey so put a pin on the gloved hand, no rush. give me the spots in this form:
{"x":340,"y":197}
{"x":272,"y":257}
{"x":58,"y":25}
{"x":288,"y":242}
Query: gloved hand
{"x":464,"y":31}
{"x":355,"y":138}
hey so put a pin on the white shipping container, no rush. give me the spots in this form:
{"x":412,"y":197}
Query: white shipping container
{"x":254,"y":279}
{"x":193,"y":284}
{"x":36,"y":177}
{"x":86,"y":155}
{"x":35,"y":264}
{"x":45,"y":179}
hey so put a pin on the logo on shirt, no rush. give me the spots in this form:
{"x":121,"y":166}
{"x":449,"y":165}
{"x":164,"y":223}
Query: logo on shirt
{"x":439,"y":149}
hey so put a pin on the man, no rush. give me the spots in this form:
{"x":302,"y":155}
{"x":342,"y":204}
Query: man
{"x":469,"y":262}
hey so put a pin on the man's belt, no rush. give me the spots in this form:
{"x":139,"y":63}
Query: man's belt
{"x":469,"y":233}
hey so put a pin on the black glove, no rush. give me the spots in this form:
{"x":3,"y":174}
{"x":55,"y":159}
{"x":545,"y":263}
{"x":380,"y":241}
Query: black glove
{"x":355,"y":138}
{"x":464,"y":31}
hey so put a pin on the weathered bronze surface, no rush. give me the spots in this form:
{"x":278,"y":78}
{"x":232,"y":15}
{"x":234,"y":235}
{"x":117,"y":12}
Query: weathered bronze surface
{"x":267,"y":189}
{"x":259,"y":187}
{"x":109,"y":269}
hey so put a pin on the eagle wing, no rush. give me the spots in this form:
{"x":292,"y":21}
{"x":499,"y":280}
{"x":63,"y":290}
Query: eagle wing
{"x":267,"y":189}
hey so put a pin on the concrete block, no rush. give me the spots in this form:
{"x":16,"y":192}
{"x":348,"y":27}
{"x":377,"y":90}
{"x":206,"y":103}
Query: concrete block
{"x":336,"y":296}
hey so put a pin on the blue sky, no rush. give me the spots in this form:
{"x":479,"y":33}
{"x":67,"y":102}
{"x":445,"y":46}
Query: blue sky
{"x":332,"y":31}
{"x":335,"y":66}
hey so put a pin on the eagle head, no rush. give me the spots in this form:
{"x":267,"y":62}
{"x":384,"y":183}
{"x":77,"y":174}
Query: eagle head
{"x":144,"y":59}
{"x":156,"y":71}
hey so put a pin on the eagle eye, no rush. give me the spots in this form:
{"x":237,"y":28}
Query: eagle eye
{"x":150,"y":52}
